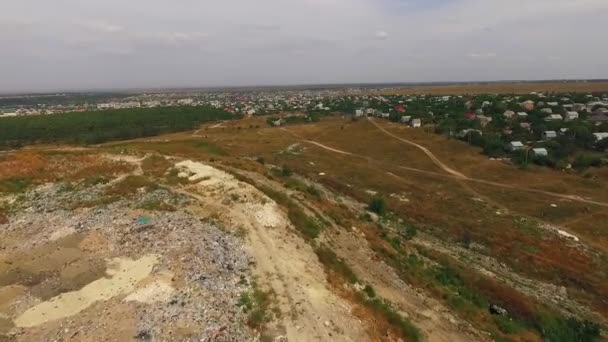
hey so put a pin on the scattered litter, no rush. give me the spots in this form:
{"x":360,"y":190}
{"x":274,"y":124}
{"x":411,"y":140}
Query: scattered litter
{"x":553,"y":205}
{"x":321,"y":173}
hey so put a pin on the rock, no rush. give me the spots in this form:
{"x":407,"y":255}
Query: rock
{"x":497,"y":310}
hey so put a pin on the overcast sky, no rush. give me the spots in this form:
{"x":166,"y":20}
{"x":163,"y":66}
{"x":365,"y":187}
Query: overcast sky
{"x":104,"y":44}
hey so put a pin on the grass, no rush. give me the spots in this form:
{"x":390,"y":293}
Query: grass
{"x":403,"y":326}
{"x":258,"y":306}
{"x":155,"y":165}
{"x":330,"y":260}
{"x":131,"y":185}
{"x":15,"y":185}
{"x":157,"y":205}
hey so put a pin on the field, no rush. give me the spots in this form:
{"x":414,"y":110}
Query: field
{"x":420,"y":236}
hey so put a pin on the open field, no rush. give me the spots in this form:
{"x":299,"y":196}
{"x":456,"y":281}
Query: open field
{"x":503,"y":88}
{"x":304,"y":256}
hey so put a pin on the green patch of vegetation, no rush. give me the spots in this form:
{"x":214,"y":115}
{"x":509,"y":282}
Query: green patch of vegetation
{"x":15,"y":185}
{"x":529,"y":227}
{"x":410,"y":232}
{"x":509,"y":325}
{"x":101,"y":126}
{"x":157,"y":205}
{"x":377,"y":205}
{"x":173,"y":178}
{"x":555,"y":328}
{"x":369,"y":291}
{"x":258,"y":306}
{"x":95,"y":180}
{"x":155,"y":165}
{"x":308,"y":226}
{"x":330,"y":260}
{"x":405,"y":327}
{"x":131,"y":185}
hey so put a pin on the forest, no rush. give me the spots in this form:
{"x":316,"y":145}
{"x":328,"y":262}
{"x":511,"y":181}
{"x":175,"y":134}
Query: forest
{"x":101,"y":126}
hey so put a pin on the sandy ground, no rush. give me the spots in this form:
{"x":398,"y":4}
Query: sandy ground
{"x":284,"y":262}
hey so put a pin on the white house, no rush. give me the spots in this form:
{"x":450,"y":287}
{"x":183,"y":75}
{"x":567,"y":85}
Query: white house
{"x":569,"y":116}
{"x":552,"y":104}
{"x":600,"y":136}
{"x":522,"y":115}
{"x":516,"y":145}
{"x":547,"y":110}
{"x":406,"y":119}
{"x":509,"y":114}
{"x":554,"y":117}
{"x":540,"y":152}
{"x":359,"y":113}
{"x":549,"y":135}
{"x":416,"y":123}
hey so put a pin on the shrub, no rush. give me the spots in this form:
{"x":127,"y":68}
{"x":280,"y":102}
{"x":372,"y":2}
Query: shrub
{"x":377,"y":205}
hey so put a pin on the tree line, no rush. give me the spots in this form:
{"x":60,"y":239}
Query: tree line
{"x":101,"y":126}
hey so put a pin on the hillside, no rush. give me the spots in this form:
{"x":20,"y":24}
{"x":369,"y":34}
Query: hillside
{"x":336,"y":230}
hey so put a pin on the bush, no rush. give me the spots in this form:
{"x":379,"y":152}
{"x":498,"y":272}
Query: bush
{"x":377,"y":205}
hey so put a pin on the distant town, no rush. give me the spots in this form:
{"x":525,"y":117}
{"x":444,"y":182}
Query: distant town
{"x":546,"y":128}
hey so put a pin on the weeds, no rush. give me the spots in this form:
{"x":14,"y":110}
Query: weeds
{"x":331,"y":262}
{"x":15,"y":185}
{"x":157,"y":205}
{"x":258,"y":306}
{"x":131,"y":185}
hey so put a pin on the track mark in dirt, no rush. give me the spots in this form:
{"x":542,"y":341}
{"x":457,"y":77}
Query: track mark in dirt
{"x":284,"y":262}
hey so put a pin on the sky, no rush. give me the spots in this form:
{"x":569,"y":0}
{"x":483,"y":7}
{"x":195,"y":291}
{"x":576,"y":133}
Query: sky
{"x":117,"y":44}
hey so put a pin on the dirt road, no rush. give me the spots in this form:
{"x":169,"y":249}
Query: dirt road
{"x":451,"y":173}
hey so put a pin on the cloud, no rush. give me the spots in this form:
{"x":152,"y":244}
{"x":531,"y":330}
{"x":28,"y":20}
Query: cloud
{"x":381,"y":35}
{"x":298,"y":41}
{"x":483,"y":55}
{"x":100,"y":26}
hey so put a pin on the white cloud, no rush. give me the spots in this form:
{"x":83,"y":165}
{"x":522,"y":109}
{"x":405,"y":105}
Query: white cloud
{"x":381,"y":35}
{"x":236,"y":42}
{"x":483,"y":55}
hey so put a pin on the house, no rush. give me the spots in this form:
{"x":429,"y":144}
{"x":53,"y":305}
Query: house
{"x":385,"y":115}
{"x":470,"y":115}
{"x":549,"y":135}
{"x":515,"y":146}
{"x":406,"y":119}
{"x":569,"y":116}
{"x":547,"y":110}
{"x":598,"y":117}
{"x":554,"y":117}
{"x":564,"y":130}
{"x":416,"y":123}
{"x":400,"y":108}
{"x":509,"y":114}
{"x":577,"y":107}
{"x":522,"y":115}
{"x":600,"y":136}
{"x":568,"y":106}
{"x":359,"y":113}
{"x":277,"y":123}
{"x":552,"y":104}
{"x":465,"y":132}
{"x":540,"y":152}
{"x":370,"y":111}
{"x":528,"y":105}
{"x":484,"y":120}
{"x":525,"y":125}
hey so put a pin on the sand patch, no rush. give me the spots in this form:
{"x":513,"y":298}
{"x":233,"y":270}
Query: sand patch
{"x":123,"y":275}
{"x":159,"y":291}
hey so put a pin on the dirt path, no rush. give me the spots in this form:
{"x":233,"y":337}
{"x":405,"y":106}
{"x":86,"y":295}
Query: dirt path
{"x":285,"y":263}
{"x":452,"y":173}
{"x":426,"y":151}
